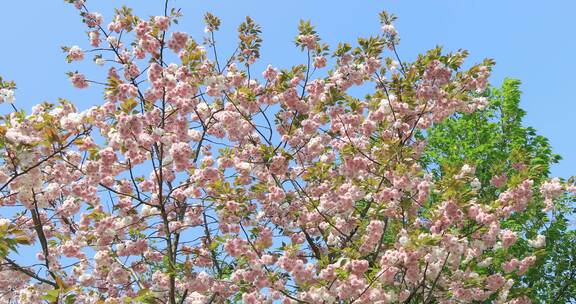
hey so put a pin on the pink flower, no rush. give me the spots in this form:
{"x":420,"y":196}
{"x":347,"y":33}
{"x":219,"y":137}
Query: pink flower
{"x":177,"y":41}
{"x":552,"y":189}
{"x":92,"y":19}
{"x":7,"y":95}
{"x":372,"y":237}
{"x":75,"y":53}
{"x":510,"y":265}
{"x":499,"y":180}
{"x":279,"y":165}
{"x":79,"y":81}
{"x":162,"y":22}
{"x":319,"y":62}
{"x":309,"y":41}
{"x":495,"y":281}
{"x":359,"y":267}
{"x":78,"y":4}
{"x":525,"y":264}
{"x":276,"y":194}
{"x":270,"y":73}
{"x":389,"y":29}
{"x":94,"y":38}
{"x":508,"y":238}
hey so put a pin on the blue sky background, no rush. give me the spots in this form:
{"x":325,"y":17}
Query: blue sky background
{"x":530,"y":40}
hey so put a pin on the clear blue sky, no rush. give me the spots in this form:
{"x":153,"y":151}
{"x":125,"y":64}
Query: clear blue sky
{"x":530,"y":40}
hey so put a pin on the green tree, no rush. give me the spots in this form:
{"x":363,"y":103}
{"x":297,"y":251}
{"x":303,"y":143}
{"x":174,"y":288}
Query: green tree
{"x":496,"y":143}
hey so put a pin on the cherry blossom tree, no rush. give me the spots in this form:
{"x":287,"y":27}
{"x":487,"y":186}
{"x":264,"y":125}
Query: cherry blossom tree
{"x":197,"y":180}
